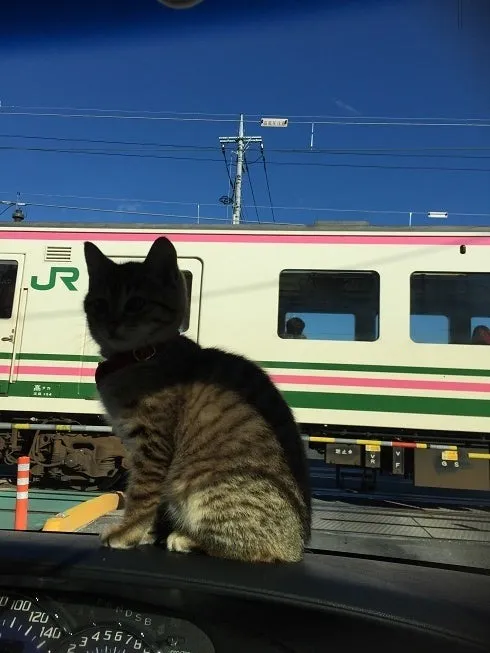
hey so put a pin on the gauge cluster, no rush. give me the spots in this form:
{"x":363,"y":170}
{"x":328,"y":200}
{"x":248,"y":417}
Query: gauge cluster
{"x":55,"y":623}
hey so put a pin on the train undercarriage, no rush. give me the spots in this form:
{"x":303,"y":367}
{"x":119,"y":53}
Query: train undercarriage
{"x":81,"y":453}
{"x":64,"y":453}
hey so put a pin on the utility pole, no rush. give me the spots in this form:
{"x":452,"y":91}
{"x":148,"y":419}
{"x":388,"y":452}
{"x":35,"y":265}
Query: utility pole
{"x":242,"y":143}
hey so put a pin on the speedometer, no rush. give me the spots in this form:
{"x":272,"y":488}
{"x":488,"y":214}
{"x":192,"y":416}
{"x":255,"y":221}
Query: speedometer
{"x":24,"y":627}
{"x":106,"y":639}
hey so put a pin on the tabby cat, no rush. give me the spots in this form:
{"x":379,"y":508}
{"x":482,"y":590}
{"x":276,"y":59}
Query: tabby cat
{"x":211,"y":438}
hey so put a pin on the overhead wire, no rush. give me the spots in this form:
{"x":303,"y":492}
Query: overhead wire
{"x":247,"y":170}
{"x":209,"y":114}
{"x":139,"y":111}
{"x":93,"y":209}
{"x":112,"y":116}
{"x":214,"y":160}
{"x":227,"y":166}
{"x":422,"y":152}
{"x":267,"y":183}
{"x":445,"y":152}
{"x":259,"y":206}
{"x":217,"y":118}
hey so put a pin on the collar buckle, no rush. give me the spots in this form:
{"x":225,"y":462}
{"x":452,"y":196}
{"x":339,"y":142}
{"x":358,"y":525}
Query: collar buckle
{"x":144,"y":354}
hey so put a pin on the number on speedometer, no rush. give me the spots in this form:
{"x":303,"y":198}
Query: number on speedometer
{"x":25,"y":628}
{"x":105,"y":640}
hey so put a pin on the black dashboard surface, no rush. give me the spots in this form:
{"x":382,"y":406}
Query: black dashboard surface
{"x":64,"y":593}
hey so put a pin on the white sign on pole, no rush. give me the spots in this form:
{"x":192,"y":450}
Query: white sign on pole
{"x":437,"y":214}
{"x":274,"y":122}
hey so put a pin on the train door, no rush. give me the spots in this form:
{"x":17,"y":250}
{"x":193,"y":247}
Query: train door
{"x":192,"y":270}
{"x":11,"y":269}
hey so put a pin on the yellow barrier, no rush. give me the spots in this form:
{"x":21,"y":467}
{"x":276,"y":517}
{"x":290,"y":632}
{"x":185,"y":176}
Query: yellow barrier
{"x":84,"y":513}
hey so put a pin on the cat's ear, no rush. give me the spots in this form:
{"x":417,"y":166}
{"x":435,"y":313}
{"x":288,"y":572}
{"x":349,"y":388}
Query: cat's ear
{"x":97,"y":262}
{"x":162,"y":257}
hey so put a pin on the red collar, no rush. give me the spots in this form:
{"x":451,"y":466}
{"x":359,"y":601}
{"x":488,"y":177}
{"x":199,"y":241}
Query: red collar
{"x":124,"y":359}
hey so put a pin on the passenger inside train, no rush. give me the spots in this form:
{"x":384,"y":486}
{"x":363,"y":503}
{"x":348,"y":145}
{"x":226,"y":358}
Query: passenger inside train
{"x":481,"y":335}
{"x":294,"y":328}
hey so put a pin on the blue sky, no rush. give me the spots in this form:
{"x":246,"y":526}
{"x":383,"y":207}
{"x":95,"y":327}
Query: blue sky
{"x":417,"y":59}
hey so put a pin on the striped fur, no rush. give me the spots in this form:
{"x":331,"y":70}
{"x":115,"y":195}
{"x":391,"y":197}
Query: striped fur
{"x":217,"y":460}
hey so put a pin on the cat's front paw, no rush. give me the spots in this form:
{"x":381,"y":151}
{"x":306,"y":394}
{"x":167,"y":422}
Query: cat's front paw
{"x":180,"y":543}
{"x":122,"y":536}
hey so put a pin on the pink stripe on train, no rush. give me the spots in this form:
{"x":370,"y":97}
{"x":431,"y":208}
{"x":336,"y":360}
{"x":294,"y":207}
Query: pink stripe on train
{"x":403,"y":384}
{"x":258,"y":238}
{"x":48,"y":370}
{"x":288,"y":379}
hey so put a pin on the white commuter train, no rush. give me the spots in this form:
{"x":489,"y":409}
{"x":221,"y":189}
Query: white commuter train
{"x":386,"y":375}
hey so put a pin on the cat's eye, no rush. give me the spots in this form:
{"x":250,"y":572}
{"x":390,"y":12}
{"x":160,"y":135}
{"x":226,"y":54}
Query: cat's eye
{"x":135,"y":304}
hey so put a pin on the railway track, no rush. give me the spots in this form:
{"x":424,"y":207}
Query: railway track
{"x":412,"y":500}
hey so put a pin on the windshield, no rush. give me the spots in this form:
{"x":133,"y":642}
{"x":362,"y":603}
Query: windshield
{"x":322,"y":169}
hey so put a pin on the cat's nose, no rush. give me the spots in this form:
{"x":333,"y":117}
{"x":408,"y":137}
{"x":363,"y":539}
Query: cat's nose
{"x":112,"y":329}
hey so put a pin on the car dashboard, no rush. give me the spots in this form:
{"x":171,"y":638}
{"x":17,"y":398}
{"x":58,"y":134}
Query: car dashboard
{"x":65,"y":593}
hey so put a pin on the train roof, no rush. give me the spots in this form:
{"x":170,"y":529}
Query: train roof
{"x":316,"y":227}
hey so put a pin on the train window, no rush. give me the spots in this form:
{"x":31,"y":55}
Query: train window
{"x":450,"y":307}
{"x":429,"y":328}
{"x":328,"y":305}
{"x":8,"y":277}
{"x":188,"y":283}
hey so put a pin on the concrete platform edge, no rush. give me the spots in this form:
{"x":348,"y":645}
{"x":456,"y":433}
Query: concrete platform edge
{"x":83,"y":513}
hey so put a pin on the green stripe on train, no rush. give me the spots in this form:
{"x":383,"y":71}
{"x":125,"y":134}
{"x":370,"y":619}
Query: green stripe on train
{"x":77,"y":358}
{"x":292,"y":365}
{"x":388,"y":403}
{"x":394,"y":369}
{"x":296,"y":399}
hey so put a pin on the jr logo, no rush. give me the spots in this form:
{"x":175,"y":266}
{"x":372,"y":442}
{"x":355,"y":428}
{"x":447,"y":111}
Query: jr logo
{"x":68,"y":276}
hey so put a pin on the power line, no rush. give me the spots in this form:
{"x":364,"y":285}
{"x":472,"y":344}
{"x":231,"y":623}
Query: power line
{"x":268,"y":185}
{"x":232,"y":117}
{"x":419,"y":152}
{"x":214,"y":160}
{"x":123,"y":153}
{"x":208,"y":114}
{"x":334,"y":120}
{"x":375,"y":166}
{"x":113,"y":116}
{"x":227,"y":166}
{"x":171,"y":146}
{"x":231,"y":187}
{"x":138,"y":111}
{"x":209,"y":204}
{"x":68,"y":207}
{"x":247,"y":170}
{"x":227,"y":115}
{"x":390,"y":123}
{"x":315,"y":118}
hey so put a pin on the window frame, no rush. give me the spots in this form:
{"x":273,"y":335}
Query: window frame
{"x":464,"y":317}
{"x":12,"y":262}
{"x":375,"y":279}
